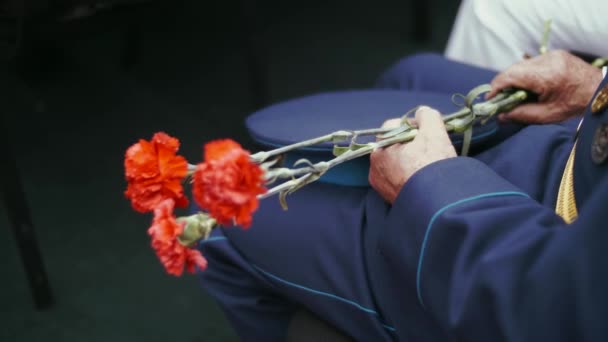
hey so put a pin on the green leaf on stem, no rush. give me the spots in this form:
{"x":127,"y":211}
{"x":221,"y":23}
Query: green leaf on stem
{"x":197,"y":227}
{"x":283,"y":200}
{"x":341,"y":136}
{"x":475,"y":93}
{"x":340,"y":150}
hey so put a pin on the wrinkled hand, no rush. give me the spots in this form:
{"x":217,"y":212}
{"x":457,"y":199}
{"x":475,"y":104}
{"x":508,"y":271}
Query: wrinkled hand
{"x":391,"y":167}
{"x":564,"y":84}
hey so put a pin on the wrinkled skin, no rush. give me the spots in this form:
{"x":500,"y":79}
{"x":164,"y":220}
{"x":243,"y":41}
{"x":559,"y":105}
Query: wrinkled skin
{"x":392,"y":167}
{"x":563,"y":82}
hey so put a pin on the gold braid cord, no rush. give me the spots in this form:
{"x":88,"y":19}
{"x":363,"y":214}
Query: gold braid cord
{"x":566,"y":204}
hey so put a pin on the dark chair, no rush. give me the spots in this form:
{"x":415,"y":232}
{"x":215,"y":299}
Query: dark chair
{"x":19,"y":22}
{"x":22,"y":226}
{"x":12,"y":22}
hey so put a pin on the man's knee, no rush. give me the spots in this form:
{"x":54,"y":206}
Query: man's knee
{"x":401,"y":74}
{"x":255,"y":312}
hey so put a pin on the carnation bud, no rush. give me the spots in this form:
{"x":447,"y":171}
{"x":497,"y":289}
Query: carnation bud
{"x":197,"y":227}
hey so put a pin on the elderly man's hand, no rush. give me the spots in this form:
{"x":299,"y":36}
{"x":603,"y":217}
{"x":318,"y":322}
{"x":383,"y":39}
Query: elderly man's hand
{"x":564,"y":84}
{"x":391,"y":167}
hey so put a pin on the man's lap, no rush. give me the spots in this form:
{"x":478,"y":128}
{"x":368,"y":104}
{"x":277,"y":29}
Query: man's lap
{"x":313,"y":255}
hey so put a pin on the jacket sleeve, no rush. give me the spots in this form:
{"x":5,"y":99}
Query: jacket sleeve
{"x":489,"y":263}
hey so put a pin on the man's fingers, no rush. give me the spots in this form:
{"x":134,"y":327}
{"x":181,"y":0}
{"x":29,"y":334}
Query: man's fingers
{"x":516,"y":76}
{"x":500,"y":82}
{"x":493,"y":91}
{"x":429,"y":121}
{"x":531,"y":113}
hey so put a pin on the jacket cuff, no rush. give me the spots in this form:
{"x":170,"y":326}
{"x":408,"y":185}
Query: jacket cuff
{"x":429,"y":192}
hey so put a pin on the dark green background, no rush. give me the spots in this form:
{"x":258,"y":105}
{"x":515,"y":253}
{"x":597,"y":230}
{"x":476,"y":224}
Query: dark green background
{"x":75,"y":110}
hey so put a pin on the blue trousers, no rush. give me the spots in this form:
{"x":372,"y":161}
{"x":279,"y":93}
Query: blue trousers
{"x":317,"y":255}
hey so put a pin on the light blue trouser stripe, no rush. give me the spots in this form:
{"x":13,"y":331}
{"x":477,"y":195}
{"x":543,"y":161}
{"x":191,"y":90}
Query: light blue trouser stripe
{"x":212,"y":239}
{"x":322,"y":293}
{"x":304,"y":288}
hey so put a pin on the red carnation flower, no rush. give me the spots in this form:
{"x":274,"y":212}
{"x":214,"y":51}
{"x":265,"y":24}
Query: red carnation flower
{"x":164,"y":225}
{"x":154,"y":173}
{"x":173,"y":255}
{"x":227,"y":183}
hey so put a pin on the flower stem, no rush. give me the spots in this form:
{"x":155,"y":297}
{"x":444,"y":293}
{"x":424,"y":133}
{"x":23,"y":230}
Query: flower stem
{"x":486,"y":109}
{"x":336,"y":136}
{"x":277,"y":189}
{"x":544,"y":43}
{"x":344,"y":135}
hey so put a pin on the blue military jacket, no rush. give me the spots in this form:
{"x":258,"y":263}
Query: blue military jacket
{"x":471,"y":250}
{"x":479,"y":253}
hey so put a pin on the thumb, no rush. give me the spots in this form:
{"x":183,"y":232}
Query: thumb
{"x":501,"y":81}
{"x":429,"y":121}
{"x":531,"y":113}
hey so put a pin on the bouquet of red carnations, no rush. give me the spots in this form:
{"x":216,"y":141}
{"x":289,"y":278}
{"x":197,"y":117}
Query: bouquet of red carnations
{"x":228,"y":184}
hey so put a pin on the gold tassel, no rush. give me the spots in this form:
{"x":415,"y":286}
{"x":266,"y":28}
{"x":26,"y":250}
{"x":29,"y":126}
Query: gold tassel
{"x":566,"y":203}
